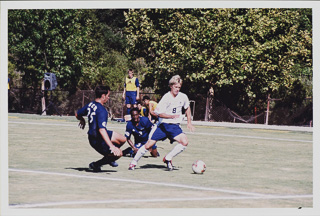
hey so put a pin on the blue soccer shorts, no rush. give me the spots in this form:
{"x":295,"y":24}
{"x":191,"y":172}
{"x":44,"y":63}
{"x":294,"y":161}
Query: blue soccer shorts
{"x":165,"y":130}
{"x":99,"y":144}
{"x":131,"y":97}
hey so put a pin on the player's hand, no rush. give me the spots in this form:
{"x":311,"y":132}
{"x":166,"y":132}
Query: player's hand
{"x":82,"y":124}
{"x":190,"y":127}
{"x":116,"y":151}
{"x":123,"y":97}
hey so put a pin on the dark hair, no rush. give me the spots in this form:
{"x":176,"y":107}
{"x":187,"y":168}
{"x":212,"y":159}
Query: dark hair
{"x":139,"y":102}
{"x":145,"y":98}
{"x":100,"y":90}
{"x":134,"y":109}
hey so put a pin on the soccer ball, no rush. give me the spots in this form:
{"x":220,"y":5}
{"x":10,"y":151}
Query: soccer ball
{"x":199,"y":167}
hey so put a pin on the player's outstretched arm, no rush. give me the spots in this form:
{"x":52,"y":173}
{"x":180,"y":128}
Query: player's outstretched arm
{"x":189,"y":124}
{"x":138,"y":93}
{"x":132,"y":145}
{"x":124,"y":93}
{"x":82,"y":123}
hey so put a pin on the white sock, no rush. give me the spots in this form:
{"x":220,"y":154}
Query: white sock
{"x":175,"y":151}
{"x":142,"y":150}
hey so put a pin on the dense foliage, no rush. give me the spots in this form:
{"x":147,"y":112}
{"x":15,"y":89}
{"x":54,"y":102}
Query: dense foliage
{"x":79,"y":46}
{"x":243,"y":54}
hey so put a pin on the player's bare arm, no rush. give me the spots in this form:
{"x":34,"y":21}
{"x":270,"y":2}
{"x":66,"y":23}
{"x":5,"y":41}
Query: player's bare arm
{"x":168,"y":116}
{"x":138,"y":93}
{"x":189,"y":124}
{"x":152,"y":112}
{"x":132,"y":145}
{"x":124,"y":94}
{"x":82,"y":123}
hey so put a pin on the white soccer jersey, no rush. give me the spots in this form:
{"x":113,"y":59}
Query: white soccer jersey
{"x":172,"y":106}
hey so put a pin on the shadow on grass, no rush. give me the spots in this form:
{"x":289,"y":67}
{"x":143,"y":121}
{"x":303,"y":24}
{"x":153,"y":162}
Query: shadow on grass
{"x":155,"y":166}
{"x":152,"y":166}
{"x":81,"y":169}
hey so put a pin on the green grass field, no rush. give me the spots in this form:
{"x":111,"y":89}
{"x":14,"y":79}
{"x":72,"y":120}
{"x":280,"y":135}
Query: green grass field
{"x":246,"y":168}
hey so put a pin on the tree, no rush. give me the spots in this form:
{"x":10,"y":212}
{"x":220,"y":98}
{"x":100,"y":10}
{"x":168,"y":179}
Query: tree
{"x":109,"y":63}
{"x":244,"y":54}
{"x":56,"y":41}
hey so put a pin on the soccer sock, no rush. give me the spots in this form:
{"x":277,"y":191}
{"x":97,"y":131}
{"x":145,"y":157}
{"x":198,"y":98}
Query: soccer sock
{"x":175,"y":151}
{"x":142,"y":150}
{"x":106,"y":160}
{"x":128,"y":111}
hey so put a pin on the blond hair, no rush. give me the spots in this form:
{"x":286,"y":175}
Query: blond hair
{"x":174,"y":80}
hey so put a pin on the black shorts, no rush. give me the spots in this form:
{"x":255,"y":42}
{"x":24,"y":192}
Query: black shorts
{"x":99,"y":144}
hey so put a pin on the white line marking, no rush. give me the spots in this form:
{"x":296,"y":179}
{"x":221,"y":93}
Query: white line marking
{"x":155,"y":200}
{"x":141,"y":182}
{"x":193,"y":133}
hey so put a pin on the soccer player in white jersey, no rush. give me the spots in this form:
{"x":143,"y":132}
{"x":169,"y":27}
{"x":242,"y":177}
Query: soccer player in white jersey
{"x":169,"y":111}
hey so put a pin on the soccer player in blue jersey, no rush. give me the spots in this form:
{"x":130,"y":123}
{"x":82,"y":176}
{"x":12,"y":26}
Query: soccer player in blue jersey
{"x":169,"y":110}
{"x":131,"y":91}
{"x":104,"y":141}
{"x":140,"y":128}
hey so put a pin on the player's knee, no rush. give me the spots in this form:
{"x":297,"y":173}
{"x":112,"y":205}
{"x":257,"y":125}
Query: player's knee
{"x":122,"y":140}
{"x":118,"y":139}
{"x":185,"y":143}
{"x":182,"y":139}
{"x":149,"y":144}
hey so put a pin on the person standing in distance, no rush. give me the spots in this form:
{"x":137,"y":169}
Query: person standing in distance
{"x":131,"y":91}
{"x":169,"y":111}
{"x":104,"y":141}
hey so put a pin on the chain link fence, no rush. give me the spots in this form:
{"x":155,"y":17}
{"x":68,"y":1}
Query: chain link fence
{"x":203,"y":107}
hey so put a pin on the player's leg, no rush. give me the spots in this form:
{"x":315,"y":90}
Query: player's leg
{"x":128,"y":109}
{"x":175,"y":132}
{"x":154,"y":152}
{"x":108,"y":159}
{"x":128,"y":102}
{"x":118,"y":139}
{"x":180,"y":147}
{"x":133,"y":100}
{"x":155,"y":135}
{"x":142,"y":151}
{"x":100,"y":146}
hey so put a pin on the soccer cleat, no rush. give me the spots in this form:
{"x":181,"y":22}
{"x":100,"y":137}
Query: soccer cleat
{"x":94,"y":167}
{"x":113,"y":164}
{"x":132,"y":167}
{"x":168,"y":163}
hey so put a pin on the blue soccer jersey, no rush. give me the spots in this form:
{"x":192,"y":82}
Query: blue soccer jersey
{"x":97,"y":117}
{"x":139,"y":132}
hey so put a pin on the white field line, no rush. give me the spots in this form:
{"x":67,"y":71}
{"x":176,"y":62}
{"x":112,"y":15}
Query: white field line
{"x":155,"y":200}
{"x":140,"y":182}
{"x":191,"y":133}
